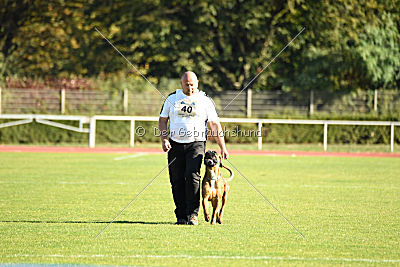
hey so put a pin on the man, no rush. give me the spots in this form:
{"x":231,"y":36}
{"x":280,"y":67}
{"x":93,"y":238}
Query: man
{"x":188,"y":111}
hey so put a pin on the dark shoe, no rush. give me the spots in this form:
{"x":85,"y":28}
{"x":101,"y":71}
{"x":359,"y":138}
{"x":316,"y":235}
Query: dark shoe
{"x":193,"y":220}
{"x":181,"y":222}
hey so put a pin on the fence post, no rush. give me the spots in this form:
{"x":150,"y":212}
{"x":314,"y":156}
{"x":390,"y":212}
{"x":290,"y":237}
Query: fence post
{"x":92,"y":132}
{"x":311,"y":102}
{"x":259,"y":133}
{"x":132,"y":134}
{"x":0,"y":99}
{"x":391,"y":137}
{"x":249,"y":96}
{"x":125,"y":101}
{"x":62,"y":101}
{"x":325,"y":136}
{"x":376,"y":100}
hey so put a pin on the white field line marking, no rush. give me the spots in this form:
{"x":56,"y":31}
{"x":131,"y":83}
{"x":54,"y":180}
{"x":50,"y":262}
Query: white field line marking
{"x":130,"y":156}
{"x":75,"y":183}
{"x":60,"y":182}
{"x":352,"y":187}
{"x":116,"y":183}
{"x":388,"y":187}
{"x":288,"y":258}
{"x":168,"y":184}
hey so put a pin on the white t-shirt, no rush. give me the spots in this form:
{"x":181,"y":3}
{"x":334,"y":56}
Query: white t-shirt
{"x":188,"y":116}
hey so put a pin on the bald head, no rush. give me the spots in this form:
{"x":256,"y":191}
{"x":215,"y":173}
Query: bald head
{"x":189,"y":83}
{"x":189,"y":75}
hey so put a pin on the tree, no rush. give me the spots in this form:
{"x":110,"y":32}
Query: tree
{"x":349,"y":44}
{"x":346,"y":45}
{"x":380,"y":52}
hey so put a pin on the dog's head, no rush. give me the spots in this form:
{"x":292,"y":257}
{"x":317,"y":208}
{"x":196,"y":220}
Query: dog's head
{"x":211,"y":159}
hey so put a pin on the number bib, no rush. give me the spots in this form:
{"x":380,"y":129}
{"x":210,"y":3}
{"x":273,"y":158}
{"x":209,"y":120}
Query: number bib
{"x":186,"y":108}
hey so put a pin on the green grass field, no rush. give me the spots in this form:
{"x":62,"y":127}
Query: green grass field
{"x":53,"y":205}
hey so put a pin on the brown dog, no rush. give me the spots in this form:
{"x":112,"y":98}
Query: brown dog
{"x":215,"y":188}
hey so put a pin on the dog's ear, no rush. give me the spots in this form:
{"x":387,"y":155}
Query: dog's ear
{"x":220,"y":161}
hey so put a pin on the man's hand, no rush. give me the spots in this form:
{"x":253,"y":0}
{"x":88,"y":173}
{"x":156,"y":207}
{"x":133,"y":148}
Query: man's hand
{"x":218,"y":135}
{"x":162,"y":128}
{"x":224,"y":153}
{"x":166,"y":145}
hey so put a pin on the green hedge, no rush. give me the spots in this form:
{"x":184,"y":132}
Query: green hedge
{"x":35,"y":133}
{"x":303,"y":134}
{"x":117,"y":132}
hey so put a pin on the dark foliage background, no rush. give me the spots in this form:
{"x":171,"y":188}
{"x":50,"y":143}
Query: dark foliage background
{"x":347,"y":45}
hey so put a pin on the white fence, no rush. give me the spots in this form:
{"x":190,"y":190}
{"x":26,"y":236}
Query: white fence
{"x":19,"y":119}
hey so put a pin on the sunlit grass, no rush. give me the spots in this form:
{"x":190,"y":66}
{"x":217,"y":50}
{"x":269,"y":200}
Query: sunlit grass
{"x":53,"y":205}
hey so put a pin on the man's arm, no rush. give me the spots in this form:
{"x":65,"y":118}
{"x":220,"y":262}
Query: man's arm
{"x":162,"y":128}
{"x":218,"y":134}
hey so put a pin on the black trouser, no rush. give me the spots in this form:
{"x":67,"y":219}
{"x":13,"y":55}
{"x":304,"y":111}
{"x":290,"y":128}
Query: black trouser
{"x":184,"y":175}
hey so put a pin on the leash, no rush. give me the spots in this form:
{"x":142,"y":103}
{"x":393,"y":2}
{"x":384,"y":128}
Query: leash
{"x":214,"y":177}
{"x":230,"y":171}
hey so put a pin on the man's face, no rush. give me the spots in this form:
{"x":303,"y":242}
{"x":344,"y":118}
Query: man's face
{"x":189,"y":84}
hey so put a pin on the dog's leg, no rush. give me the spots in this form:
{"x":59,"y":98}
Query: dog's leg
{"x":205,"y":208}
{"x":215,"y":203}
{"x":224,"y":199}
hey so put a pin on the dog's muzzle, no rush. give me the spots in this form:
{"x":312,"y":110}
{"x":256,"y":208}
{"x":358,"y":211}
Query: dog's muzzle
{"x":210,"y":162}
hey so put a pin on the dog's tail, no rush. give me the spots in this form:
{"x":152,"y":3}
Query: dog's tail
{"x":231,"y":173}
